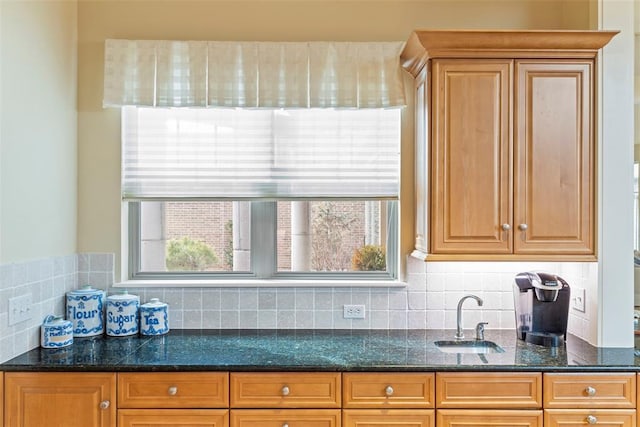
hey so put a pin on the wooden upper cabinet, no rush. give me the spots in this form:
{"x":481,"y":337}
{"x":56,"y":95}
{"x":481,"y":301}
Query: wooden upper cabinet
{"x":471,"y":156}
{"x":505,"y":126}
{"x":555,"y":168}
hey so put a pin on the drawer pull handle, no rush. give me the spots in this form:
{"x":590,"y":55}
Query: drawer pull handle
{"x":105,"y":404}
{"x":388,"y":391}
{"x":173,"y":390}
{"x":285,"y":425}
{"x":285,"y":391}
{"x":591,"y":391}
{"x":591,"y":419}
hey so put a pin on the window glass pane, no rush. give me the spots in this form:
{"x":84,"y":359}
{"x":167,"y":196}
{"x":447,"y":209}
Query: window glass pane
{"x":195,"y":236}
{"x":332,"y":236}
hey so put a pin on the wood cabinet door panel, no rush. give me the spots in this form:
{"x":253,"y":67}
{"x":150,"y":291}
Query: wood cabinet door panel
{"x":286,"y":390}
{"x":388,"y":418}
{"x":1,"y":400}
{"x":60,"y":399}
{"x":173,"y":390}
{"x":586,"y":417}
{"x":471,"y":153}
{"x":289,"y":417}
{"x":173,"y":417}
{"x":554,"y":175}
{"x":488,"y":390}
{"x":589,"y":390}
{"x":489,"y":418}
{"x":388,"y":390}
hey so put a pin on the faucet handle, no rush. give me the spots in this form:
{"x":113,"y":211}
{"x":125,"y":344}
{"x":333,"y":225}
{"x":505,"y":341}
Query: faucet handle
{"x":480,"y":330}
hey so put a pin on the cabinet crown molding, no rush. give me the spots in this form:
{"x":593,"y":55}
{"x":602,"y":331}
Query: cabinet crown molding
{"x":425,"y":44}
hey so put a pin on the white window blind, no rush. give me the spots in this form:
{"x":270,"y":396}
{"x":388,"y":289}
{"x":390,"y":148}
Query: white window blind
{"x":260,"y":154}
{"x":164,"y":73}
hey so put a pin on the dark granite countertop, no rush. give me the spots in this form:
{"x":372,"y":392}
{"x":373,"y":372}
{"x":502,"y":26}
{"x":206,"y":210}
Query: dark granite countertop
{"x":316,"y":350}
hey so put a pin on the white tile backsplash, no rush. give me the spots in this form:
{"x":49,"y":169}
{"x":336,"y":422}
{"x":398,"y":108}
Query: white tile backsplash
{"x":428,"y":301}
{"x":47,"y":280}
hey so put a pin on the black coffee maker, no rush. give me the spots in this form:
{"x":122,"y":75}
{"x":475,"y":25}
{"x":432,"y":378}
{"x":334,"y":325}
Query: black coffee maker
{"x":542,"y":308}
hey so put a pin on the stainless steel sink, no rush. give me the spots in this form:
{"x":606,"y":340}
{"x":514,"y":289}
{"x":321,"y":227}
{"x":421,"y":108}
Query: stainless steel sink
{"x":469,"y":346}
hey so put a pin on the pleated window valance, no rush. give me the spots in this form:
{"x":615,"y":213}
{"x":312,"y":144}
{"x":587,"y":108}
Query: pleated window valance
{"x":252,"y":74}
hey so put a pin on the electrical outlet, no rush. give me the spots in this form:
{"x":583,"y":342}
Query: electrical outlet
{"x":19,"y":309}
{"x":578,"y":299}
{"x":353,"y":311}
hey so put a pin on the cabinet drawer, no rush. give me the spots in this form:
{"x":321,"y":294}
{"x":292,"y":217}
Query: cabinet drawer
{"x":489,"y":418}
{"x":173,"y":417}
{"x":498,"y":390}
{"x":388,"y":417}
{"x":173,"y":390}
{"x":289,"y":417}
{"x":586,"y":417}
{"x":388,"y":390}
{"x":285,"y":390}
{"x":590,"y":391}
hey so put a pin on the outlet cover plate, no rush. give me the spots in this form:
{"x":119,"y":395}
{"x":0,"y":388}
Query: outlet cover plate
{"x":578,"y":301}
{"x":353,"y":311}
{"x":19,"y":309}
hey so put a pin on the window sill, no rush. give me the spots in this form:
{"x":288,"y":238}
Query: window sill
{"x":256,"y":283}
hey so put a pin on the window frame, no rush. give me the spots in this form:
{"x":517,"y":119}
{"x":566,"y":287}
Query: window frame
{"x":264,"y":270}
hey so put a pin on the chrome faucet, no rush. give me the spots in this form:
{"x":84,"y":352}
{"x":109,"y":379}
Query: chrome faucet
{"x":459,"y":334}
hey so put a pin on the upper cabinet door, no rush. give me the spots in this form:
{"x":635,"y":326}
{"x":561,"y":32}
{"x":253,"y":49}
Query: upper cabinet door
{"x":554,"y":152}
{"x":471,"y":157}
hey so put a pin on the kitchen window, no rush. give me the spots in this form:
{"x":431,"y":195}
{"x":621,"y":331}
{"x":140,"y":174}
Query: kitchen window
{"x":269,"y":194}
{"x":258,"y":161}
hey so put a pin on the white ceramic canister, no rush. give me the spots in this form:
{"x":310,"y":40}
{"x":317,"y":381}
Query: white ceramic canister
{"x":122,"y":314}
{"x":154,"y":318}
{"x":85,"y":308}
{"x":55,"y":332}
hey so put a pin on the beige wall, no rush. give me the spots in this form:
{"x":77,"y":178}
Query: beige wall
{"x":98,"y":129}
{"x":38,"y":125}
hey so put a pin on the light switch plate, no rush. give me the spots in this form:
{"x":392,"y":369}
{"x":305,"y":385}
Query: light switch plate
{"x":578,"y":302}
{"x":19,"y":309}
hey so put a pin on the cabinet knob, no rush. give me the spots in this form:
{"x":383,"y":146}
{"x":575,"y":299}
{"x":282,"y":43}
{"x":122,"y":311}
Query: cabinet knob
{"x":173,"y":390}
{"x":285,"y":425}
{"x":591,"y":391}
{"x":523,"y":227}
{"x":105,"y":404}
{"x":506,"y":227}
{"x":285,"y":391}
{"x":388,"y":391}
{"x":591,"y":419}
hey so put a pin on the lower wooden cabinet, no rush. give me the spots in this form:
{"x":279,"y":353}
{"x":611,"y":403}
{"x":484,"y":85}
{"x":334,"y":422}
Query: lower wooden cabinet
{"x":60,"y":399}
{"x":317,"y":399}
{"x":586,"y":417}
{"x":173,"y":418}
{"x":488,"y":418}
{"x":302,"y":390}
{"x":388,"y":390}
{"x":593,"y":390}
{"x":206,"y":390}
{"x":484,"y":390}
{"x":388,"y":418}
{"x":285,"y":417}
{"x":1,"y":399}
